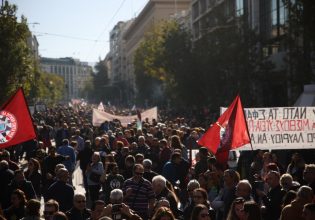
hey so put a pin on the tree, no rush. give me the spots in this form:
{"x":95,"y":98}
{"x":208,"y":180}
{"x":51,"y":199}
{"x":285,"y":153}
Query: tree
{"x":100,"y":81}
{"x":16,"y":63}
{"x":161,"y":61}
{"x":300,"y":45}
{"x":51,"y":88}
{"x":149,"y":69}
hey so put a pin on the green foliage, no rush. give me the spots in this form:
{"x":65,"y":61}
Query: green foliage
{"x":300,"y":44}
{"x":51,"y":88}
{"x":16,"y":63}
{"x":100,"y":80}
{"x":223,"y":63}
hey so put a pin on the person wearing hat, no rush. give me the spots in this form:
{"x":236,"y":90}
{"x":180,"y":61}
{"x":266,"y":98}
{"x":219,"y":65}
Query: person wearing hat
{"x":202,"y":165}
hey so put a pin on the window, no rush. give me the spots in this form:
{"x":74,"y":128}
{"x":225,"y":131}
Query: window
{"x":239,"y":7}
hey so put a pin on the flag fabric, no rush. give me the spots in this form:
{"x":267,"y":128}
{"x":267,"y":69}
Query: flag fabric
{"x":228,"y":133}
{"x":99,"y":117}
{"x":101,"y":107}
{"x":16,"y":125}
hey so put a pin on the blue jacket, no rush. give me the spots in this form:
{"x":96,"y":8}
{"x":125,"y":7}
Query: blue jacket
{"x":68,"y":151}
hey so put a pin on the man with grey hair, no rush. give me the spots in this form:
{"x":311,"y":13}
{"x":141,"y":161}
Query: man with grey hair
{"x":244,"y":189}
{"x":78,"y":210}
{"x":294,"y":210}
{"x":117,"y":209}
{"x":148,"y":173}
{"x":162,"y":192}
{"x":142,"y":148}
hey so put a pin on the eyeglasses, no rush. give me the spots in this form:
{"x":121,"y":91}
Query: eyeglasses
{"x":80,"y":201}
{"x":138,"y":173}
{"x":239,"y":200}
{"x":204,"y":215}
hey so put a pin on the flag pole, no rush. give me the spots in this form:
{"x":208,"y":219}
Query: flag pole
{"x":250,"y":140}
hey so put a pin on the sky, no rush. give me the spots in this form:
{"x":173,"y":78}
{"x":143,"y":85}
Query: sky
{"x":76,"y":28}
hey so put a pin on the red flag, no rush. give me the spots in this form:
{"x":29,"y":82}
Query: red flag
{"x":16,"y":125}
{"x":229,"y":132}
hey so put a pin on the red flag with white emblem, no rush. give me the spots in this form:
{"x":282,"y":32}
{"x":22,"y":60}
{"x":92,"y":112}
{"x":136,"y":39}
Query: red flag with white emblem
{"x":16,"y":125}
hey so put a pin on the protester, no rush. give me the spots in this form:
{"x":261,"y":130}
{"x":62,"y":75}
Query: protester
{"x":237,"y":209}
{"x":163,"y":213}
{"x":93,"y":173}
{"x":252,"y":211}
{"x":33,"y":175}
{"x":139,"y":194}
{"x":61,"y":191}
{"x":50,"y":208}
{"x":161,"y":191}
{"x":17,"y":207}
{"x":97,"y":209}
{"x":117,"y":209}
{"x":68,"y":151}
{"x":78,"y":210}
{"x":32,"y":210}
{"x":295,"y":209}
{"x":6,"y":176}
{"x":19,"y":182}
{"x":200,"y":212}
{"x":273,"y":199}
{"x":309,"y":211}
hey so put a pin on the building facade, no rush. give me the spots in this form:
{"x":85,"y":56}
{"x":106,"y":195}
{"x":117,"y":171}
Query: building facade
{"x":33,"y":45}
{"x":74,"y":73}
{"x":116,"y":59}
{"x":154,"y":12}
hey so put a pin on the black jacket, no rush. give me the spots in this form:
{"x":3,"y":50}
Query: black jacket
{"x":75,"y":214}
{"x":273,"y":203}
{"x":63,"y":193}
{"x":25,"y":186}
{"x":6,"y":176}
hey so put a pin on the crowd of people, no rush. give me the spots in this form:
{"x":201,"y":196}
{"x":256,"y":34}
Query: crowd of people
{"x":147,"y":173}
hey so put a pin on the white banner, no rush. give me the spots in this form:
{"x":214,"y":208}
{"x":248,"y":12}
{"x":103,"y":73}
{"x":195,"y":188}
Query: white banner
{"x":280,"y":127}
{"x":99,"y":117}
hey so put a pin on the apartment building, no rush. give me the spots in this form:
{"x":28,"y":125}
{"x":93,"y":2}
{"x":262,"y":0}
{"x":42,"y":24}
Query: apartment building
{"x":154,"y":12}
{"x":116,"y":58}
{"x":33,"y":44}
{"x":74,"y":72}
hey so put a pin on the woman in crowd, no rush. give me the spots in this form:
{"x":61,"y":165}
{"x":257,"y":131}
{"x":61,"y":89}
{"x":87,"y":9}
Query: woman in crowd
{"x":200,"y":212}
{"x":177,"y":144}
{"x":252,"y":211}
{"x":17,"y":208}
{"x":236,"y":211}
{"x":94,"y":172}
{"x":296,"y":167}
{"x":200,"y":196}
{"x":33,"y":174}
{"x":163,"y":213}
{"x":32,"y":210}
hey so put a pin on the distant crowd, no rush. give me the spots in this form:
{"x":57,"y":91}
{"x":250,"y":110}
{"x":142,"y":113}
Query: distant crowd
{"x":146,"y":173}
